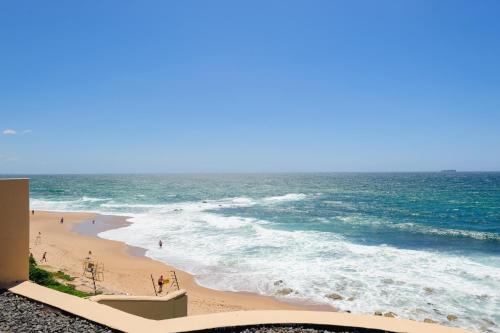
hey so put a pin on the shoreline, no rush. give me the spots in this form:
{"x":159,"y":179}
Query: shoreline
{"x":127,"y":268}
{"x":104,"y":223}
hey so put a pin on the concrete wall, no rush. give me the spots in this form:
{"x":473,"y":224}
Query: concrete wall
{"x":127,"y":322}
{"x":14,"y":231}
{"x":173,"y":305}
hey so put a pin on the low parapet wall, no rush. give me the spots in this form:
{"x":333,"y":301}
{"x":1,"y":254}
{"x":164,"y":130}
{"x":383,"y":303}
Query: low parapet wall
{"x":84,"y":308}
{"x":173,"y":305}
{"x":127,"y":322}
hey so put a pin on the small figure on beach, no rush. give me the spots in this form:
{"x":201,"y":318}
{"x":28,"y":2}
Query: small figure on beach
{"x":160,"y":243}
{"x":38,"y":239}
{"x":32,"y":212}
{"x":62,"y":220}
{"x":44,"y":257}
{"x":160,"y":284}
{"x":93,"y":221}
{"x":90,"y":253}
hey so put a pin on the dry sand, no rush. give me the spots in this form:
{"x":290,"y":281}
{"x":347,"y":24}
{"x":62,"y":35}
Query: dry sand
{"x":126,"y":269}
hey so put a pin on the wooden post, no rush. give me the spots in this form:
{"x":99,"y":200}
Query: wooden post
{"x":175,"y":282}
{"x":154,"y":285}
{"x":93,"y":280}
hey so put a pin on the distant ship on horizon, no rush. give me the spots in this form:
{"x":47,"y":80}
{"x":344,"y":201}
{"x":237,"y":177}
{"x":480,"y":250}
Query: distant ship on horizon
{"x":449,"y":171}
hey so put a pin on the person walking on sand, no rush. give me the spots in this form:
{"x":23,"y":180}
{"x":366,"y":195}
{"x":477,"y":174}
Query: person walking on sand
{"x":62,"y":220}
{"x":160,"y":284}
{"x":160,"y":243}
{"x":44,"y":257}
{"x":32,"y":212}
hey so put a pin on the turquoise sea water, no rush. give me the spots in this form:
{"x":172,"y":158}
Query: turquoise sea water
{"x":422,"y":245}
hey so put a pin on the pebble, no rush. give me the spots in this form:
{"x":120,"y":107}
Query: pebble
{"x":335,"y":297}
{"x":284,"y":291}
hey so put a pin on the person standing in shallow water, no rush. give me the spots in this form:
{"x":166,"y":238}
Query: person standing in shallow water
{"x":160,"y":243}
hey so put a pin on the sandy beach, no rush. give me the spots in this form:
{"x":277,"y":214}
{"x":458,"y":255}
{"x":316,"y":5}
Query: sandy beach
{"x":126,"y":269}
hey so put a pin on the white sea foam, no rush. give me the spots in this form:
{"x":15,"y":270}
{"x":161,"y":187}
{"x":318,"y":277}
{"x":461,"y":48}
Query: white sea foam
{"x":214,"y":204}
{"x":286,"y":197}
{"x":418,"y":228}
{"x":90,"y":199}
{"x":247,"y":254}
{"x":53,"y":205}
{"x":481,"y":235}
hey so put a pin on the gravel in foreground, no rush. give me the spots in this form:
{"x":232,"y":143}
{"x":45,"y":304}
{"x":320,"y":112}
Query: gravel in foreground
{"x":18,"y":314}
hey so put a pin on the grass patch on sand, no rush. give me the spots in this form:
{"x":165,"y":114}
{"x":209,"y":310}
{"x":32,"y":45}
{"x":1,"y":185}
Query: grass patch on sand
{"x":48,"y":279}
{"x":63,"y":276}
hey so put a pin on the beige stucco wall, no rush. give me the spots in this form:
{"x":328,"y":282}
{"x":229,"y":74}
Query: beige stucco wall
{"x":14,"y":231}
{"x":173,"y":305}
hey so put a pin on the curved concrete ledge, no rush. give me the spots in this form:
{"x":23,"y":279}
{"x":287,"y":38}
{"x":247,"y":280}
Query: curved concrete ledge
{"x":126,"y":322}
{"x":172,"y":305}
{"x":253,"y":318}
{"x":84,"y":308}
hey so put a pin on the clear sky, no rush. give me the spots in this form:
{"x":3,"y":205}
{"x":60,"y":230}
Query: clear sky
{"x":216,"y":86}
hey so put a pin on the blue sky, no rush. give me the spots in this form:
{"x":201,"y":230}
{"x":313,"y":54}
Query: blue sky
{"x":216,"y":86}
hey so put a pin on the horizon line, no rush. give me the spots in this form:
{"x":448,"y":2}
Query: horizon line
{"x":444,"y":171}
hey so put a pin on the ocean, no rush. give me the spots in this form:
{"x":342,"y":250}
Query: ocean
{"x":422,"y":245}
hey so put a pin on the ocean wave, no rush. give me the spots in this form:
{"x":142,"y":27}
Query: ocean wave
{"x":244,"y":254}
{"x":107,"y":205}
{"x":90,"y":199}
{"x":131,"y":205}
{"x":231,"y":202}
{"x":237,"y":253}
{"x":80,"y":203}
{"x":53,"y":205}
{"x":285,"y":198}
{"x":421,"y":229}
{"x":480,"y":235}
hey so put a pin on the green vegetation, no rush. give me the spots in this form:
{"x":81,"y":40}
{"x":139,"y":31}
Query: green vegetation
{"x":63,"y":276}
{"x":48,"y":279}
